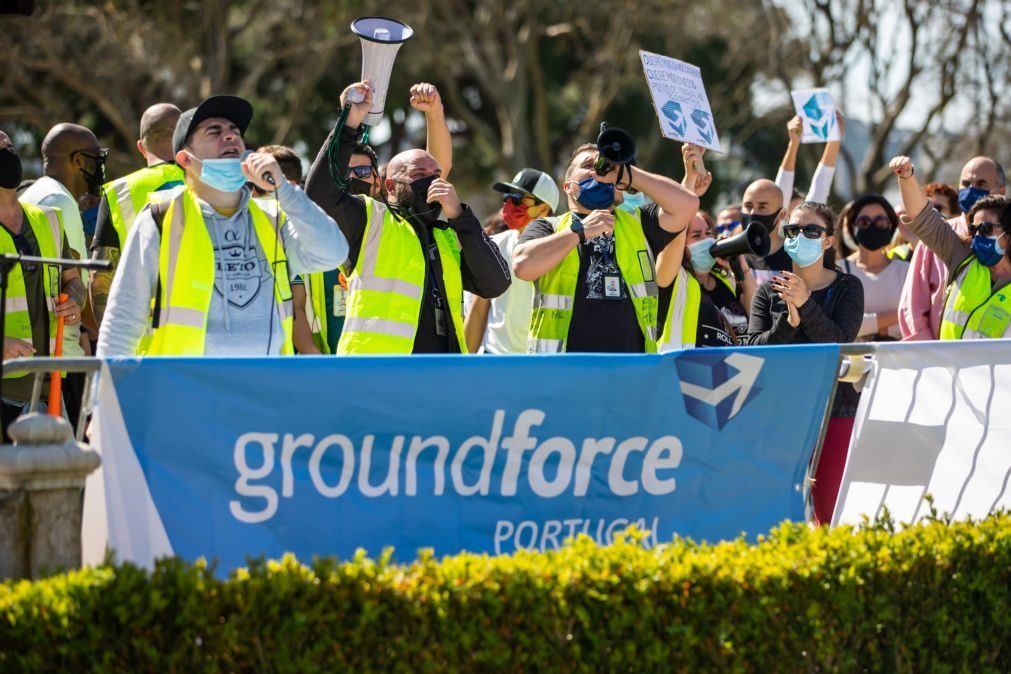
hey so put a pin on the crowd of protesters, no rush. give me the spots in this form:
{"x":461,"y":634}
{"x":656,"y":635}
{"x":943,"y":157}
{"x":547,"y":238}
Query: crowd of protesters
{"x":216,"y":250}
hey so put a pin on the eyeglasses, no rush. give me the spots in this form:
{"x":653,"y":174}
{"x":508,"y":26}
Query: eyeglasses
{"x":101,"y":156}
{"x":984,"y":228}
{"x":809,"y":231}
{"x":879,"y":221}
{"x":517,"y":199}
{"x":362,"y":172}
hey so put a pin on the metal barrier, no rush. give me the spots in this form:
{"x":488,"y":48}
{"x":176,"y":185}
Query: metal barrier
{"x":40,"y":367}
{"x":854,"y":365}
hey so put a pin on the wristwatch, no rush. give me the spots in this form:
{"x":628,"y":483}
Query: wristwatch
{"x":577,"y":227}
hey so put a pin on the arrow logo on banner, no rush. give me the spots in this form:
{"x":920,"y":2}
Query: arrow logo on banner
{"x":742,"y":383}
{"x":701,"y":119}
{"x":814,"y":113}
{"x":676,"y":117}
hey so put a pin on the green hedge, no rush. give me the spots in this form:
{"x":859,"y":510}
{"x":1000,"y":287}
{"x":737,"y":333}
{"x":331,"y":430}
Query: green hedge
{"x":932,"y":598}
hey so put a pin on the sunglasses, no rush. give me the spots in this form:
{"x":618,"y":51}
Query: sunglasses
{"x":362,"y":172}
{"x":728,"y":227}
{"x":879,"y":221}
{"x":517,"y":199}
{"x":809,"y":231}
{"x":984,"y":228}
{"x":103,"y":154}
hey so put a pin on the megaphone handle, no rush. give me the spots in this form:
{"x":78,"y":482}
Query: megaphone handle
{"x":355,"y":96}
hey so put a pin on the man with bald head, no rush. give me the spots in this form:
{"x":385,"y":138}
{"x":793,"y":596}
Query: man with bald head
{"x":763,"y":203}
{"x":73,"y":167}
{"x":923,"y":295}
{"x":33,"y":302}
{"x":124,"y":198}
{"x":410,"y":259}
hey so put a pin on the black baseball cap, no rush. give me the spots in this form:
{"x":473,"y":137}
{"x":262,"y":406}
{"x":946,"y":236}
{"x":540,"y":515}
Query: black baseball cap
{"x":237,"y":110}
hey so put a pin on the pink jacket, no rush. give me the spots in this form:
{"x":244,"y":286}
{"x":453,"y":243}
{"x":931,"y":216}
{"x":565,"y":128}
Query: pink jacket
{"x":922,"y":300}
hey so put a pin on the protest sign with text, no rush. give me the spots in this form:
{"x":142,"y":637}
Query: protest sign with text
{"x":680,"y":99}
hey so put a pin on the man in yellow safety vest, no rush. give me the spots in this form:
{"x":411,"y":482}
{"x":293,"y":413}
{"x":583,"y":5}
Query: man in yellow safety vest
{"x":593,"y":268}
{"x":205,"y":270}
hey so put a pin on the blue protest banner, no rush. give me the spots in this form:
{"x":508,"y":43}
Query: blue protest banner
{"x":237,"y":457}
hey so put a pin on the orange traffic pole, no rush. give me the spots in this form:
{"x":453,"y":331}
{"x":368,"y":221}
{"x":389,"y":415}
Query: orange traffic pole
{"x":55,"y":382}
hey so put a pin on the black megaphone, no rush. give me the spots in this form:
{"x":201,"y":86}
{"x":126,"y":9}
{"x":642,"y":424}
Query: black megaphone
{"x":752,"y":241}
{"x":616,"y":147}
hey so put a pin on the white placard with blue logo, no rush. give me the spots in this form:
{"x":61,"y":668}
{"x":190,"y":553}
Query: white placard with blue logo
{"x":817,"y":109}
{"x":225,"y":458}
{"x":680,"y":99}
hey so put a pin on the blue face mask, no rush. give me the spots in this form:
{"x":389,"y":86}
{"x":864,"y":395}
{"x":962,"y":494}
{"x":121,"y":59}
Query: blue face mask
{"x":223,"y":174}
{"x":804,"y":251}
{"x":702,"y":261}
{"x":987,"y":250}
{"x":968,"y":196}
{"x":89,"y":219}
{"x":633,"y":201}
{"x":595,"y":195}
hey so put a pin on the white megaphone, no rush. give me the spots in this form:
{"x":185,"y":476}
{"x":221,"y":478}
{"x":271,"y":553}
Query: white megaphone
{"x":381,"y":39}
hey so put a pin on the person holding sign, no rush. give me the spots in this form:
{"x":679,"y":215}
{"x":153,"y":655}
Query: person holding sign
{"x":593,"y":268}
{"x":821,"y":182}
{"x":978,"y":304}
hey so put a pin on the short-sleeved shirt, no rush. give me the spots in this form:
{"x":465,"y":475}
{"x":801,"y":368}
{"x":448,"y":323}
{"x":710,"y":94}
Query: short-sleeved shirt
{"x":600,"y":323}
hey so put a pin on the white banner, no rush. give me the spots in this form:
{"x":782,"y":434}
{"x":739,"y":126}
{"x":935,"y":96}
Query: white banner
{"x":935,"y":418}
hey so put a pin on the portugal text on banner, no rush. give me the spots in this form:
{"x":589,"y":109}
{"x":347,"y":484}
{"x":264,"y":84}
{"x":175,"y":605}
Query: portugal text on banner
{"x":232,"y":457}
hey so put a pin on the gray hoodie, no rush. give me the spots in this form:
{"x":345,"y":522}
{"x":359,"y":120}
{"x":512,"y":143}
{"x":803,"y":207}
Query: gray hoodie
{"x":243,"y":318}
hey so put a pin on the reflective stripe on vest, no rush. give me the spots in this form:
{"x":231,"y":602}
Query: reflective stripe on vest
{"x":555,"y":291}
{"x":681,"y":328}
{"x":128,"y":195}
{"x":971,"y":309}
{"x":385,"y":287}
{"x":187,"y":271}
{"x":47,"y":225}
{"x":315,"y":310}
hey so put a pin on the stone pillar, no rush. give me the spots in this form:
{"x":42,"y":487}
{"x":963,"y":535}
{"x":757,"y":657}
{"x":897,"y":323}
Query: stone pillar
{"x":41,"y":499}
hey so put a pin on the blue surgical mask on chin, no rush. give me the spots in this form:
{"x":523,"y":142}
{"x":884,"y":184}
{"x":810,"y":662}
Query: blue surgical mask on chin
{"x":222,"y":174}
{"x":804,"y":251}
{"x":968,"y":196}
{"x":987,"y":249}
{"x":595,"y":195}
{"x":702,"y":261}
{"x":633,"y":201}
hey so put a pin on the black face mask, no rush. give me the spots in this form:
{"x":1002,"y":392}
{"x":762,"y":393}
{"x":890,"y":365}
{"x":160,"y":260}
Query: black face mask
{"x":10,"y":168}
{"x":96,"y":178}
{"x":873,"y":238}
{"x":767,"y":221}
{"x":359,"y":186}
{"x":426,"y":212}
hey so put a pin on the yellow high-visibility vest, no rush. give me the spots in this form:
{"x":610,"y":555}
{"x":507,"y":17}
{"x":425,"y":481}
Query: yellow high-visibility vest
{"x":128,"y":195}
{"x":555,"y":291}
{"x":387,"y":285}
{"x":47,"y":225}
{"x":187,"y":270}
{"x":971,"y":309}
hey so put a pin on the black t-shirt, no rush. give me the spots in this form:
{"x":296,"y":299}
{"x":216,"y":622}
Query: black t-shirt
{"x":731,"y":308}
{"x":712,"y":328}
{"x":603,"y":316}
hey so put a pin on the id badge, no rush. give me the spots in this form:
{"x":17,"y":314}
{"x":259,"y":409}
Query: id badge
{"x":340,"y":302}
{"x":612,"y":287}
{"x":440,"y":322}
